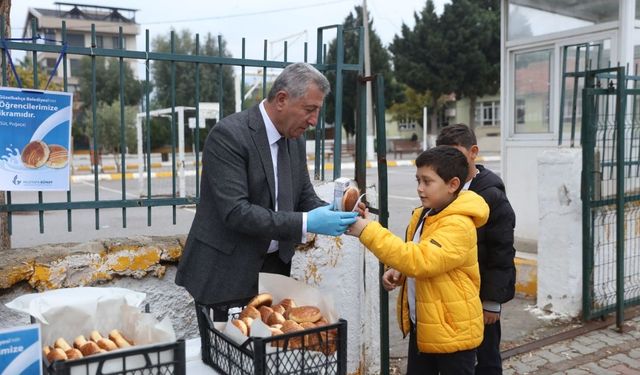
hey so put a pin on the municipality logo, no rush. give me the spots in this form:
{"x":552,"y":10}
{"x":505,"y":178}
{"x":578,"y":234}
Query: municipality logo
{"x":16,"y":181}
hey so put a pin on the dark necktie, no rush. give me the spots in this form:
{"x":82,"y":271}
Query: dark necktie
{"x":285,"y":196}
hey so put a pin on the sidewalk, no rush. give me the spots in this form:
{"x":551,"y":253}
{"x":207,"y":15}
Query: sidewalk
{"x":602,"y":351}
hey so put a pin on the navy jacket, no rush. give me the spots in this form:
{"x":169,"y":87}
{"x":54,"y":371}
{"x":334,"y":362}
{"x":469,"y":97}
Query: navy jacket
{"x":495,"y":240}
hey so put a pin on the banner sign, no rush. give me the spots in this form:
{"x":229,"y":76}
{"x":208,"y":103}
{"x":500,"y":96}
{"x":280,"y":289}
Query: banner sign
{"x":20,"y":351}
{"x":35,"y":138}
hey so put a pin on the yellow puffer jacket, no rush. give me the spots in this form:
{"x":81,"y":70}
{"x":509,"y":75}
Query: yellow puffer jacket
{"x":445,"y":266}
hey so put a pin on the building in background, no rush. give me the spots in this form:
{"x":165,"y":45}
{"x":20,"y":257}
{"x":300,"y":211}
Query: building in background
{"x":78,"y":19}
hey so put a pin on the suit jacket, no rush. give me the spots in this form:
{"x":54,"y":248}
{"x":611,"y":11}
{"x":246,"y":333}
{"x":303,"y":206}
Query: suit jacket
{"x":235,"y":220}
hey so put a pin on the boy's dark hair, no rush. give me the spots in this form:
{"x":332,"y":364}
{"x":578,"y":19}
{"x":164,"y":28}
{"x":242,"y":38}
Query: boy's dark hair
{"x":457,"y":135}
{"x":447,"y":161}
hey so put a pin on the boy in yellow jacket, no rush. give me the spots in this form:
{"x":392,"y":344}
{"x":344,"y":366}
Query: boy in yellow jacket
{"x":439,"y":306}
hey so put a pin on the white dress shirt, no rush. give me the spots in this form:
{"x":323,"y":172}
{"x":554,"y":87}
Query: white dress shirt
{"x":273,"y":135}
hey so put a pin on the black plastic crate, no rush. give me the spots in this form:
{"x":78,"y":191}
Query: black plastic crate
{"x":321,"y":350}
{"x":165,"y":359}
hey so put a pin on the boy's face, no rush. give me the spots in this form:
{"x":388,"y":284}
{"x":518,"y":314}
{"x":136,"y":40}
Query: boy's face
{"x":433,"y":191}
{"x":471,"y":155}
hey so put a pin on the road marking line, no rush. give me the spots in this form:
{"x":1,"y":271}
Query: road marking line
{"x":110,"y":190}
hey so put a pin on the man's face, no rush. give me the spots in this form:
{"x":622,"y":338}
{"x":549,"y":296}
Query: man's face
{"x":297,"y":114}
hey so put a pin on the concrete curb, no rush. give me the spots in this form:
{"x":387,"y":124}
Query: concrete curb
{"x":526,"y":274}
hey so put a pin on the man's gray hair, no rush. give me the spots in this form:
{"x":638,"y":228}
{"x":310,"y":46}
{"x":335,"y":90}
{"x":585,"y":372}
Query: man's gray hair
{"x":296,"y":78}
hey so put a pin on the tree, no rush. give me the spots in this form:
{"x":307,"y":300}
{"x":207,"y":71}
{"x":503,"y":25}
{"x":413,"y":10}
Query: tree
{"x":471,"y":32}
{"x":108,"y":82}
{"x":107,"y":86}
{"x":108,"y":123}
{"x":185,"y":87}
{"x":380,"y":64}
{"x":410,"y":109}
{"x":420,"y":59}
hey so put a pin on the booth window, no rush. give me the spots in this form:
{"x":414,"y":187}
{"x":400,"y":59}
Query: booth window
{"x":532,"y":89}
{"x":529,"y":18}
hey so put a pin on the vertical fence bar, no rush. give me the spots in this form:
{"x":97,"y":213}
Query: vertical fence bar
{"x":264,"y":73}
{"x":383,"y":218}
{"x":94,"y":124}
{"x":337,"y":135}
{"x":65,"y":87}
{"x":324,"y":123}
{"x":319,"y":144}
{"x":306,"y":48}
{"x":285,"y":51}
{"x":361,"y":124}
{"x":36,"y":86}
{"x":147,"y":122}
{"x":574,"y":104}
{"x":197,"y":130}
{"x":242,"y":75}
{"x":220,"y":78}
{"x":563,"y":85}
{"x":586,"y":191}
{"x":173,"y":124}
{"x":123,"y":161}
{"x":620,"y":182}
{"x":633,"y":125}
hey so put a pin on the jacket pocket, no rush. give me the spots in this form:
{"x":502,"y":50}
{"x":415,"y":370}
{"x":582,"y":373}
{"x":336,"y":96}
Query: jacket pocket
{"x":446,"y":319}
{"x":215,"y":240}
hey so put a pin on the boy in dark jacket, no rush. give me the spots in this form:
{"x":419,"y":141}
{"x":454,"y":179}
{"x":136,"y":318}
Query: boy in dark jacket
{"x":495,"y":245}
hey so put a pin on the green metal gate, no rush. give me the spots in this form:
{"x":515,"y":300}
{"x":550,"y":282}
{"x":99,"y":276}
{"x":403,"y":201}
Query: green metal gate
{"x":34,"y":46}
{"x":610,"y":192}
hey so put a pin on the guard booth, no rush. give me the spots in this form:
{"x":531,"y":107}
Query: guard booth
{"x":568,"y":116}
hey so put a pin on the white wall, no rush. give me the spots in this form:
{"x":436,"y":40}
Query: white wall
{"x":560,"y":231}
{"x":519,"y":163}
{"x":346,"y":271}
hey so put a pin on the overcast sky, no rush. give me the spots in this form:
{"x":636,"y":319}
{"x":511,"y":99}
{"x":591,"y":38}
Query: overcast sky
{"x":255,"y":20}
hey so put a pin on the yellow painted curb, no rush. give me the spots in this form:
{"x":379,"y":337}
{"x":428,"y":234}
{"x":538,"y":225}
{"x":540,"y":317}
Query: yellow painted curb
{"x":526,"y":277}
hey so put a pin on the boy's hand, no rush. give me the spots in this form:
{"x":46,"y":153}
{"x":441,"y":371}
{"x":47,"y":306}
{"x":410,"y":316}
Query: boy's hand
{"x":361,"y":209}
{"x":390,"y":279}
{"x":356,"y":228}
{"x":490,"y":317}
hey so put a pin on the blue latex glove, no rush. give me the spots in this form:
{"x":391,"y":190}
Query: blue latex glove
{"x":323,"y":220}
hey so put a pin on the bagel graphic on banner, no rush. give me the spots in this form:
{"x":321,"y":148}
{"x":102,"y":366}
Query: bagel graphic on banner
{"x":35,"y":135}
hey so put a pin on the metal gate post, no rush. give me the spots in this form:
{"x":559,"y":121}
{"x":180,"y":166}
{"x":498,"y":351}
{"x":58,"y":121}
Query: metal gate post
{"x":621,"y":100}
{"x":383,"y":217}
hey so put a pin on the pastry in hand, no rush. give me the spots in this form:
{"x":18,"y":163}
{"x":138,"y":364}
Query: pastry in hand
{"x":350,"y":198}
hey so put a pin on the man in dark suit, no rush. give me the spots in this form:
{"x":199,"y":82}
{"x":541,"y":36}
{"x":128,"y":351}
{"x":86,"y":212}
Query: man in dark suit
{"x":256,"y":199}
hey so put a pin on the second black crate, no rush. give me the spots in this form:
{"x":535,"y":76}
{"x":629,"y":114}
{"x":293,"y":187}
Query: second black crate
{"x":319,"y":350}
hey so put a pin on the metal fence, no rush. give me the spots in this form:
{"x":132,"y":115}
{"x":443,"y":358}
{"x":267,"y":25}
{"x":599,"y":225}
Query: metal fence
{"x":148,"y":57}
{"x":610,"y":192}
